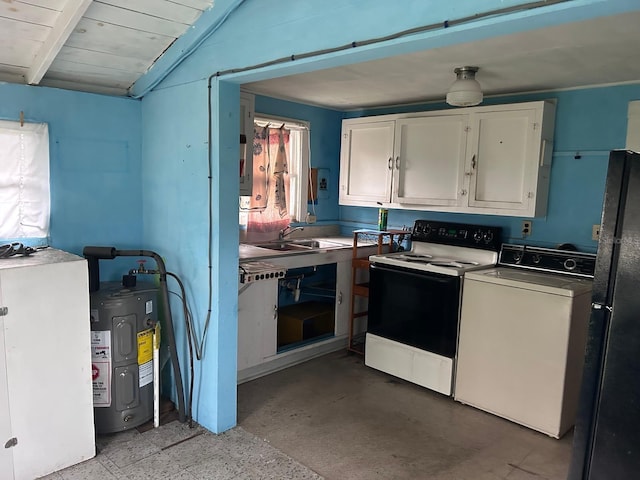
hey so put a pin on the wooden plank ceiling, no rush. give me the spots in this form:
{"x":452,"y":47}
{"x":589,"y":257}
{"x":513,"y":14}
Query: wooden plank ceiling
{"x":100,"y":46}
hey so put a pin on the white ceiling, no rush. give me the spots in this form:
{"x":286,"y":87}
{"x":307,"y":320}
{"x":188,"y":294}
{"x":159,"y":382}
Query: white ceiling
{"x":104,"y":46}
{"x":100,"y":46}
{"x":594,"y":52}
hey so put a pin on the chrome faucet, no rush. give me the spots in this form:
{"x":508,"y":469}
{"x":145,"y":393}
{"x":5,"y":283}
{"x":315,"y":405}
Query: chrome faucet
{"x":288,"y":231}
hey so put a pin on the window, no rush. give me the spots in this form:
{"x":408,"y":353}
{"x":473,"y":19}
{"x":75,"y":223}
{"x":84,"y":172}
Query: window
{"x":24,"y":180}
{"x":280,"y":177}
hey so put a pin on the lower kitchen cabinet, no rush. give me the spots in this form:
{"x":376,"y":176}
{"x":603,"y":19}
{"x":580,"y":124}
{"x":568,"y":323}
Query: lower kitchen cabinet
{"x":46,"y":394}
{"x":279,"y":326}
{"x":343,"y":294}
{"x":257,"y":322}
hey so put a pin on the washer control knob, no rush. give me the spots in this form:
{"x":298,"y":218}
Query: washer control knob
{"x":517,"y":257}
{"x":477,"y":235}
{"x":536,"y":258}
{"x":488,"y":236}
{"x":570,"y":264}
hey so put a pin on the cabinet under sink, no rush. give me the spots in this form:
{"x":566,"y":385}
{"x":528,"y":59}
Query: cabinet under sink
{"x":284,"y":321}
{"x":306,"y":306}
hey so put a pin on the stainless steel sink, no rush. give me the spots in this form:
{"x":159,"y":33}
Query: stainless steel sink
{"x":307,"y":245}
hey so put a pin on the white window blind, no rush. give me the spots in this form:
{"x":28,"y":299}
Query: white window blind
{"x":24,"y":180}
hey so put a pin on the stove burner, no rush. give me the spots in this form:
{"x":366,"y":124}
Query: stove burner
{"x":453,"y":264}
{"x":415,"y":256}
{"x":438,"y":262}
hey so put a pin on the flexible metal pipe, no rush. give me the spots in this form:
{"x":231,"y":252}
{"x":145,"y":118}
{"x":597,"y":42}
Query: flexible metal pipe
{"x":164,"y":293}
{"x":93,"y":254}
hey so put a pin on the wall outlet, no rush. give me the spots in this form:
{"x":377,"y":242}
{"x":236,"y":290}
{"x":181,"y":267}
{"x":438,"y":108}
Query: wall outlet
{"x":526,"y":228}
{"x":310,"y":218}
{"x":595,"y":232}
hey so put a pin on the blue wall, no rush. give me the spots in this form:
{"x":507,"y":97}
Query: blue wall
{"x":325,"y":145}
{"x":588,"y":121}
{"x":94,"y":166}
{"x":250,"y":35}
{"x":176,"y":185}
{"x":131,"y":173}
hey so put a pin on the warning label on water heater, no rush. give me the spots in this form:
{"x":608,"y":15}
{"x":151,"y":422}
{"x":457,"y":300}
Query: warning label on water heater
{"x":145,"y":357}
{"x":101,"y":367}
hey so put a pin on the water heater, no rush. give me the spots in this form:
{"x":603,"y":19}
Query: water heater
{"x":122,"y":322}
{"x":123,"y":318}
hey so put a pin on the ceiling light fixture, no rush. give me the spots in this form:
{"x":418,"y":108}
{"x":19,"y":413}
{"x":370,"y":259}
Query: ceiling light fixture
{"x":465,"y":91}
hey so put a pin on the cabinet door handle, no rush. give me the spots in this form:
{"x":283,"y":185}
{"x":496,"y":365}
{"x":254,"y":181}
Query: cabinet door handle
{"x":390,"y":163}
{"x":397,"y":163}
{"x":473,"y":162}
{"x":275,"y":312}
{"x":12,"y":442}
{"x":340,"y":298}
{"x":463,"y":192}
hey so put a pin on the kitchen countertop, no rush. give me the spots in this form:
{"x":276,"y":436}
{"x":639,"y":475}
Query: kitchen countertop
{"x":249,"y":252}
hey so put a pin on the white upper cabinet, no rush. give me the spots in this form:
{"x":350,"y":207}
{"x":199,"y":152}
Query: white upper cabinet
{"x":509,"y":158}
{"x":246,"y":150}
{"x":366,"y":162}
{"x":429,"y":161}
{"x":491,"y":160}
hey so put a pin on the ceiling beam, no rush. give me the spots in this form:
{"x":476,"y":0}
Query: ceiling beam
{"x":84,"y":87}
{"x":67,"y":20}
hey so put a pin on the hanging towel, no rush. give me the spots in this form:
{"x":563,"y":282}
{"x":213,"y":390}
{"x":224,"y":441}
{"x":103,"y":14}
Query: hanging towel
{"x":279,"y":170}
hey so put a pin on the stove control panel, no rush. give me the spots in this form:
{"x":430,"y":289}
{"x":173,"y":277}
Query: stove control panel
{"x":458,"y":234}
{"x":578,"y":264}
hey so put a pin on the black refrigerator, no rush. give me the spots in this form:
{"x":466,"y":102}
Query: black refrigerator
{"x":606,"y":444}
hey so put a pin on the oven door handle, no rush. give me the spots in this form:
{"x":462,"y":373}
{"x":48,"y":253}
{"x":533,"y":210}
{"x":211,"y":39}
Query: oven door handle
{"x":433,"y":277}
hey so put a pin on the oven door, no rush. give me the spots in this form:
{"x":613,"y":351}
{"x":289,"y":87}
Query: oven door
{"x":415,"y":308}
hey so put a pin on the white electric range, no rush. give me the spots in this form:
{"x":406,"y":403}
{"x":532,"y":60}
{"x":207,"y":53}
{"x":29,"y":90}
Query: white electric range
{"x":415,"y":297}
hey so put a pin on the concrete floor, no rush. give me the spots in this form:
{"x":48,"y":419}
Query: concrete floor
{"x":347,"y":421}
{"x":177,"y":452}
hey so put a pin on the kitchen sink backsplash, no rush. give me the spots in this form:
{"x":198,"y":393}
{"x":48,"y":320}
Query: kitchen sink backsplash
{"x":310,"y":231}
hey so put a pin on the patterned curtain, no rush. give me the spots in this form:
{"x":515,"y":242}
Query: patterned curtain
{"x":269,"y":206}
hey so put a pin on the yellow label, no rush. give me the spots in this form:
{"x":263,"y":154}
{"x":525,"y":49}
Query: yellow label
{"x":145,"y":346}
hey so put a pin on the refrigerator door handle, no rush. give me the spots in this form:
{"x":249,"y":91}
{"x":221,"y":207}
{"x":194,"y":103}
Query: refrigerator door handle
{"x":600,"y":306}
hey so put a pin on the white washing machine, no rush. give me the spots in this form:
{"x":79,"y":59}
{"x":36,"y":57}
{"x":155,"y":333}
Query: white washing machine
{"x":521,"y":345}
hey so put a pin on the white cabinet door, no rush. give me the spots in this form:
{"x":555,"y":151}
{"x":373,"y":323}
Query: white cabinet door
{"x":257,"y":322}
{"x":509,"y":158}
{"x":246,"y":153}
{"x":366,"y":159}
{"x":269,"y":340}
{"x":48,"y":365}
{"x":502,"y":142}
{"x":429,"y":163}
{"x":343,"y":296}
{"x":6,"y":454}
